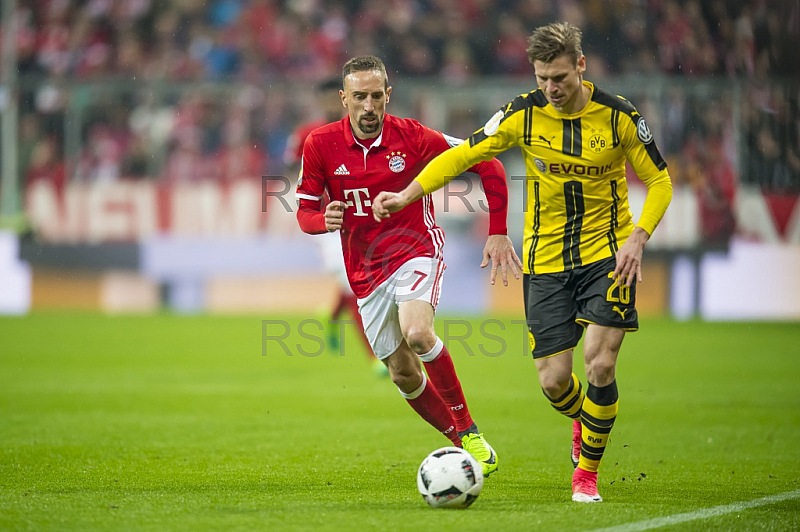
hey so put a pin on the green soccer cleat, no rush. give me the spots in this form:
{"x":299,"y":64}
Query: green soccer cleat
{"x":477,"y":446}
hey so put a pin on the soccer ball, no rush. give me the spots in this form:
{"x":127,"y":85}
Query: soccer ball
{"x":450,"y":478}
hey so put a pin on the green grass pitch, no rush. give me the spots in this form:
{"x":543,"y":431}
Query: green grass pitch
{"x":183,"y":423}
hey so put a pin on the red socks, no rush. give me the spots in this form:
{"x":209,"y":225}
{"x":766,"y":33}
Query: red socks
{"x":429,"y":405}
{"x":439,"y":365}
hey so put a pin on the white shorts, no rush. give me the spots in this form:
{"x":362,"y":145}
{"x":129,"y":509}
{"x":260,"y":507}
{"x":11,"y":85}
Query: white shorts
{"x":418,"y":279}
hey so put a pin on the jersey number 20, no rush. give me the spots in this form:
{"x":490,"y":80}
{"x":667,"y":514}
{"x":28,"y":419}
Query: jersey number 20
{"x":618,"y":293}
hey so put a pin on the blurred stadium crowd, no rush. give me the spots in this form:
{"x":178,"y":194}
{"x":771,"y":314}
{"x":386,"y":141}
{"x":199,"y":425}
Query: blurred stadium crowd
{"x":263,"y":40}
{"x":257,"y":44}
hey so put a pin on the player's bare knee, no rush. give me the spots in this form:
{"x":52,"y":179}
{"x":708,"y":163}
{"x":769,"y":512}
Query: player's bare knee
{"x":407,"y":381}
{"x":421,"y":339}
{"x":552,"y":385}
{"x":600,"y":371}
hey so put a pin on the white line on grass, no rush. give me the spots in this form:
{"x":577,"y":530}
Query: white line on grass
{"x":701,"y":514}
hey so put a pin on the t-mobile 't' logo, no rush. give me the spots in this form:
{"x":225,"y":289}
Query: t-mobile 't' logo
{"x":358,"y":201}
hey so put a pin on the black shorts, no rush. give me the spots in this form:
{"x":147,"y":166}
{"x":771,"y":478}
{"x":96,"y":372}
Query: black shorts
{"x":559,"y":305}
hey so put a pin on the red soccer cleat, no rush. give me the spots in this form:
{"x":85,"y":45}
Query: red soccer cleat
{"x":584,"y":486}
{"x":575,"y":452}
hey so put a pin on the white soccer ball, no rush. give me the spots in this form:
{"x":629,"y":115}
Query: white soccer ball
{"x":450,"y":478}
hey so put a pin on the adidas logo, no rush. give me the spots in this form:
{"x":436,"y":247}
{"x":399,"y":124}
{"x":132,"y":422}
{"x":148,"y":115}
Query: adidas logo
{"x":342,"y":170}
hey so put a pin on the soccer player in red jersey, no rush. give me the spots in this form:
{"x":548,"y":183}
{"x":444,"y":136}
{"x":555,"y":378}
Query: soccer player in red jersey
{"x":329,"y":246}
{"x":395,"y":267}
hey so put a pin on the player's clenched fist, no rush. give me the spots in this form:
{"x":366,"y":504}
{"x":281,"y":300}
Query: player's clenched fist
{"x":334,"y":215}
{"x":386,"y":203}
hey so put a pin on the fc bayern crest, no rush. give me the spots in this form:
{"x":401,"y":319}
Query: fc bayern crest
{"x":397,"y":163}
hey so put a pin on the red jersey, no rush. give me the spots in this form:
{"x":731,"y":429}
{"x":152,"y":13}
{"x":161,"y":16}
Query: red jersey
{"x":354,"y":172}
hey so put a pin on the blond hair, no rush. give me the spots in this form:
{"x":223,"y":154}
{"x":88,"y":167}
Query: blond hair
{"x":554,"y":40}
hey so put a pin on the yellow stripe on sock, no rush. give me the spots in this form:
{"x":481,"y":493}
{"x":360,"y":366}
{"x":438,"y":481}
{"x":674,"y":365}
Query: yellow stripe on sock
{"x":570,"y":403}
{"x":596,"y":424}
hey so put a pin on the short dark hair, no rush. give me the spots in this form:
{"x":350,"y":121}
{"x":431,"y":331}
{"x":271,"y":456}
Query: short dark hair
{"x":365,"y":63}
{"x":554,"y":40}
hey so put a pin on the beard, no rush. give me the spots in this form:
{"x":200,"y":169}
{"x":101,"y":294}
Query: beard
{"x":368,"y":129}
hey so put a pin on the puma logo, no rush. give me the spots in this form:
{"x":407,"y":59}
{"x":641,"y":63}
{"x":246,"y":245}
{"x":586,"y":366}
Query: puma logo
{"x":541,"y":138}
{"x":619,"y":311}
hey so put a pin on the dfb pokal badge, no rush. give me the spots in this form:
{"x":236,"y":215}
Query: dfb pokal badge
{"x":397,"y":162}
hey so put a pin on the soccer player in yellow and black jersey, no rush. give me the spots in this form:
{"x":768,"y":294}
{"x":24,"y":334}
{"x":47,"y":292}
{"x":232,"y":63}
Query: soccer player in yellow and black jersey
{"x":582,"y":250}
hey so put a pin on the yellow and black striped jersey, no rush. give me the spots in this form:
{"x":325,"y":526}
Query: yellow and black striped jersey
{"x":577,"y":196}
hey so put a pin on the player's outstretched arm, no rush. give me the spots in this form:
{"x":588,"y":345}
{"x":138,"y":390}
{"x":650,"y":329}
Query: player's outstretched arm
{"x":500,"y":251}
{"x":386,"y":203}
